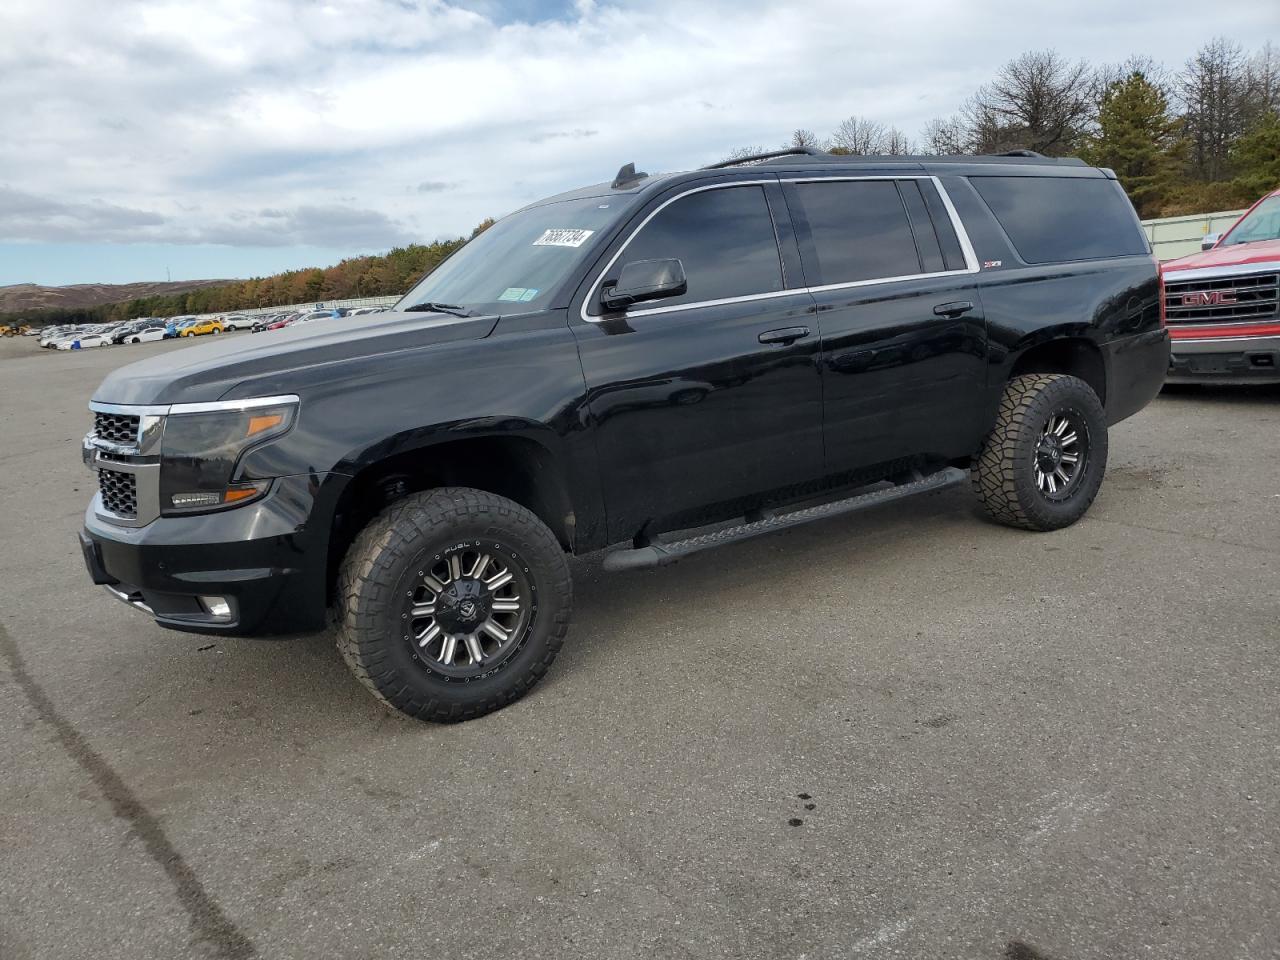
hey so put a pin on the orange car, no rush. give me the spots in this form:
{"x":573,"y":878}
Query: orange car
{"x":201,"y":327}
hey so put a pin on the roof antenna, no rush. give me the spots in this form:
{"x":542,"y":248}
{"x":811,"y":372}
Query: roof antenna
{"x":626,"y":176}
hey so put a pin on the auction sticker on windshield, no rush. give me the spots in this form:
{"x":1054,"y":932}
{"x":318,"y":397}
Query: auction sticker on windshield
{"x":563,"y":237}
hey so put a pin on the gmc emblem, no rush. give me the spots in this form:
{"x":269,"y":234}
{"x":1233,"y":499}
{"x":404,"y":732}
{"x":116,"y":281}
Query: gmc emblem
{"x":1209,"y":298}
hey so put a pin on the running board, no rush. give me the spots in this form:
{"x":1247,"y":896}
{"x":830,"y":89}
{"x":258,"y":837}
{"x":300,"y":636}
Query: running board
{"x":659,"y":553}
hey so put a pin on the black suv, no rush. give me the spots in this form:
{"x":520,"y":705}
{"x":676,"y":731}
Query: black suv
{"x":657,"y":365}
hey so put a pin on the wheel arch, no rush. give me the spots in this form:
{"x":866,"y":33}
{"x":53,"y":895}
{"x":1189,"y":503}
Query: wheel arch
{"x":1075,"y":356}
{"x":517,"y":467}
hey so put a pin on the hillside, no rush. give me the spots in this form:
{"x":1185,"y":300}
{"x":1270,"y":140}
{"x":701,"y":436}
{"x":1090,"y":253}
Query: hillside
{"x":30,"y":296}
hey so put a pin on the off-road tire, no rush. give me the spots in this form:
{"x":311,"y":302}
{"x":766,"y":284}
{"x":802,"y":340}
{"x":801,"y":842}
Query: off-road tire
{"x":384,"y":559}
{"x":1004,"y":473}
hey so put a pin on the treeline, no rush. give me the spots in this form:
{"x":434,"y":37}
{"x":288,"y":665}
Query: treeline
{"x":390,"y":274}
{"x":1202,"y":138}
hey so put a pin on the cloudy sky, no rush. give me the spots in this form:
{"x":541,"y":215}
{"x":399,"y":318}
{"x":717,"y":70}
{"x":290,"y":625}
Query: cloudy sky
{"x":231,"y":138}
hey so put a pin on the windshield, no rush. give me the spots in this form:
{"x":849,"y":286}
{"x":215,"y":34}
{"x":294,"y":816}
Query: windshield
{"x":518,"y":262}
{"x":1262,"y":223}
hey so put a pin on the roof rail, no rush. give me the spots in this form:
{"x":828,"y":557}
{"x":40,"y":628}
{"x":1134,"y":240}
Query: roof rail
{"x":789,"y":152}
{"x":1020,"y":153}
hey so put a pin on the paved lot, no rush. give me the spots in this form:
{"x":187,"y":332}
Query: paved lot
{"x":903,"y":734}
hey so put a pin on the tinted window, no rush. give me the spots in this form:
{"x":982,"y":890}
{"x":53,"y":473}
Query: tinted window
{"x":926,"y":239}
{"x":952,"y":255}
{"x":723,"y":237}
{"x":859,"y":230}
{"x":1051,"y":219}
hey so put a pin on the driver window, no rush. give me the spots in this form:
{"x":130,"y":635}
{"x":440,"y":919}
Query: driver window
{"x":723,"y":237}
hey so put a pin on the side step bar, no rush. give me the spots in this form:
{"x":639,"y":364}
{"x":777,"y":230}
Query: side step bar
{"x":660,"y":553}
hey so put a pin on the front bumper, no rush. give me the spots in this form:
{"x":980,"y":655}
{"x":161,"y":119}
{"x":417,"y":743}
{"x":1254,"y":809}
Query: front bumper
{"x":267,"y":561}
{"x":1225,"y":360}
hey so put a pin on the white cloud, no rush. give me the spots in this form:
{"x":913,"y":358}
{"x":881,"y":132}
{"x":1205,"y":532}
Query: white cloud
{"x":188,"y":113}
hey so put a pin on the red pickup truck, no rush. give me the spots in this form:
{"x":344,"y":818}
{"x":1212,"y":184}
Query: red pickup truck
{"x":1222,"y":304}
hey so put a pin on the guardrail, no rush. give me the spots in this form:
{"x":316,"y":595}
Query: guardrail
{"x":1173,"y":237}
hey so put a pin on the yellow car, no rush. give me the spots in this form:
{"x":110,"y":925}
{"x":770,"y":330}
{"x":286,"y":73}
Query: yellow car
{"x":201,"y":327}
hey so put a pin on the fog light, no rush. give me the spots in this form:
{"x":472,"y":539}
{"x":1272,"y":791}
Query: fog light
{"x":217,"y":607}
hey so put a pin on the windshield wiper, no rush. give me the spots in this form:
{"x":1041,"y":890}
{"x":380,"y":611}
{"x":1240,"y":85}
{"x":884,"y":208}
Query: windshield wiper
{"x":432,"y":307}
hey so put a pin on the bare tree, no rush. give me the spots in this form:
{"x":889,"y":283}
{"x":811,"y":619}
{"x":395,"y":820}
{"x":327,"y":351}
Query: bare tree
{"x":805,"y":138}
{"x":1039,"y":101}
{"x":1262,"y":74}
{"x":742,"y":152}
{"x":897,"y":143}
{"x":1152,"y":70}
{"x":860,"y":136}
{"x":946,"y":137}
{"x":1214,"y":90}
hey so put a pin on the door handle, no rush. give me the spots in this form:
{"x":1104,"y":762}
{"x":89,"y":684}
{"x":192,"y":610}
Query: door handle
{"x":953,"y":309}
{"x":784,"y":335}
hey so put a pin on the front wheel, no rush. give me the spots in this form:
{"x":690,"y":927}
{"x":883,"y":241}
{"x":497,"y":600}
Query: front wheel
{"x":1043,"y":462}
{"x":453,"y":603}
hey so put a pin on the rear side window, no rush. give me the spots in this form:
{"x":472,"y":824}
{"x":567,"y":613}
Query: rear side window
{"x":724,"y":238}
{"x":1053,"y":219}
{"x":859,"y":230}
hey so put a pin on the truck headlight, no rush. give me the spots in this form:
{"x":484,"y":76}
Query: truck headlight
{"x":203,"y":442}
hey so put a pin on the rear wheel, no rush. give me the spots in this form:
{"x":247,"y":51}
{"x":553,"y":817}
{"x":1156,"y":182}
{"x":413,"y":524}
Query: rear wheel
{"x":453,"y":603}
{"x":1042,"y":464}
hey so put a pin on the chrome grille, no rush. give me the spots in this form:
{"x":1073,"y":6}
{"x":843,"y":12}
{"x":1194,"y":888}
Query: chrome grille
{"x":119,"y":492}
{"x":116,"y":427}
{"x":1223,"y":299}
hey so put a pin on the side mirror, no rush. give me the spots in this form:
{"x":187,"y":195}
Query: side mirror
{"x":645,"y":280}
{"x":1209,"y":241}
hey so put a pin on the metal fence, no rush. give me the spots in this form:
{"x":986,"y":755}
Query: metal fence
{"x":1178,"y":236}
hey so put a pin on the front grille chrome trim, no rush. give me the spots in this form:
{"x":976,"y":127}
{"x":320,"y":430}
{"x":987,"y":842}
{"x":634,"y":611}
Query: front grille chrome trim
{"x":1254,"y":297}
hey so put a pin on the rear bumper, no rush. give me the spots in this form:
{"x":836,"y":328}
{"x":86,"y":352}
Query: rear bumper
{"x":1135,"y":368}
{"x":262,"y":561}
{"x":1225,"y":360}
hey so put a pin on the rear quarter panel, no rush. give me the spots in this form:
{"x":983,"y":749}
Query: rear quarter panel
{"x":1113,"y":304}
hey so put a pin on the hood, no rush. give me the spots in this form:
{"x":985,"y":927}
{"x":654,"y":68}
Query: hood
{"x":1236,"y":255}
{"x":209,"y":371}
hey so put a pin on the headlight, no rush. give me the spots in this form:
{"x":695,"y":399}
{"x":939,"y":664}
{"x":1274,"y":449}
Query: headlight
{"x":203,"y":442}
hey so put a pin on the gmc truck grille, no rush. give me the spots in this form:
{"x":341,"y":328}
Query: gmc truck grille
{"x":119,"y":492}
{"x":116,"y":427}
{"x":1222,"y":300}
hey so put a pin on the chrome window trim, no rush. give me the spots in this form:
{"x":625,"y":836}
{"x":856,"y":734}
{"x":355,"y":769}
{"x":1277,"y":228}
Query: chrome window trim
{"x":1219,"y":273}
{"x":962,"y":235}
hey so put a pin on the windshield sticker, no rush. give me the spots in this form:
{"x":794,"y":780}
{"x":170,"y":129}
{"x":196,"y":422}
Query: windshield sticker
{"x":563,"y":237}
{"x":519,"y":294}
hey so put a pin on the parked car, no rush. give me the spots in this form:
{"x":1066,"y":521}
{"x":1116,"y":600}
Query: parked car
{"x":329,"y":314}
{"x":362,"y":311}
{"x":146,"y":334}
{"x":81,"y":341}
{"x":1223,"y":304}
{"x":620,"y":367}
{"x":175,"y":326}
{"x":198,"y":328}
{"x":283,"y":321}
{"x":236,"y":321}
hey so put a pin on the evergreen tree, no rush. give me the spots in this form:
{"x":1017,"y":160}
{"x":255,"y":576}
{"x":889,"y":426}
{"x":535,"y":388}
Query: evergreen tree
{"x":1140,"y":140}
{"x":1256,"y":157}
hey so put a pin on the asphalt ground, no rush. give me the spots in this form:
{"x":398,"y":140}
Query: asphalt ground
{"x":905,"y":733}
